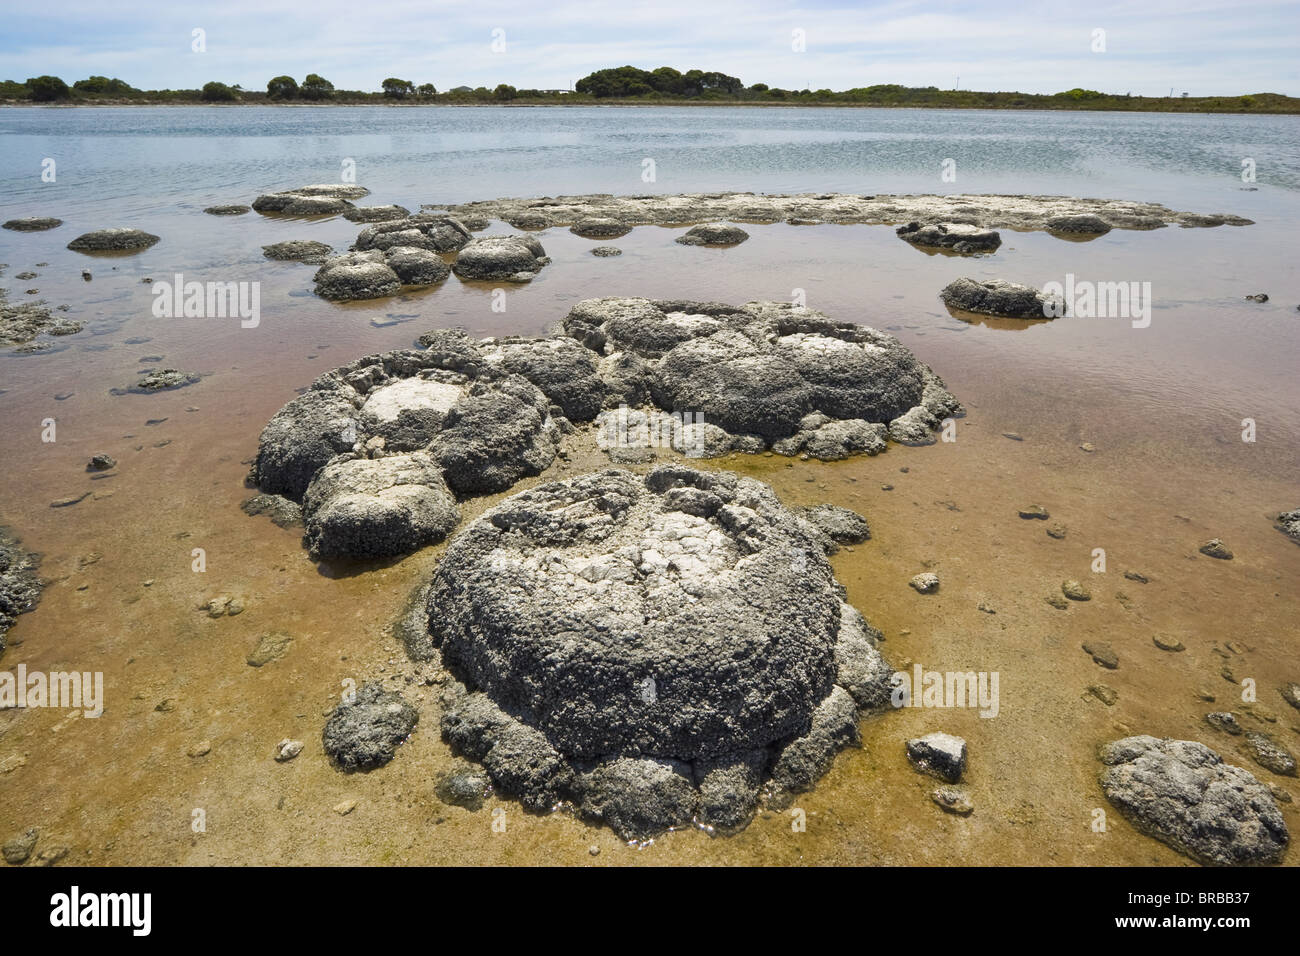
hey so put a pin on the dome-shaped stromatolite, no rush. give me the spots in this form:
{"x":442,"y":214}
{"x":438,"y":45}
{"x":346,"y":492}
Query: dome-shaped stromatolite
{"x":1001,"y":298}
{"x":600,"y":228}
{"x":422,"y":231}
{"x":653,"y":648}
{"x":321,"y":199}
{"x":508,"y":258}
{"x":113,"y":240}
{"x":713,"y":234}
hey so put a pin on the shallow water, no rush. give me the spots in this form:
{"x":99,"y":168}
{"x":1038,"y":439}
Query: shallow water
{"x":1163,"y":406}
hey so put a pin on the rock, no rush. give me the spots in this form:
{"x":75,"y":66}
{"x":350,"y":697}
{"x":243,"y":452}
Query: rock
{"x":504,"y":258}
{"x":20,"y":584}
{"x":17,"y":849}
{"x":959,"y":237}
{"x":432,"y":232}
{"x":713,"y":234}
{"x":1216,"y":549}
{"x":376,"y":213}
{"x":1183,"y":794}
{"x":647,"y":647}
{"x":416,"y":266}
{"x":317,"y":200}
{"x":1023,"y":213}
{"x":925,"y":583}
{"x":33,"y":224}
{"x":1034,"y":511}
{"x":356,"y":275}
{"x":161,"y":380}
{"x":953,"y":800}
{"x":363,"y":507}
{"x":282,"y":512}
{"x":841,"y":525}
{"x":1057,"y":531}
{"x":344,"y":807}
{"x":598,"y":228}
{"x":567,"y":372}
{"x":1288,"y":522}
{"x":287,"y":749}
{"x":365,"y":734}
{"x":51,"y":855}
{"x":270,"y":647}
{"x":606,"y":252}
{"x":303,"y":437}
{"x":1226,"y":722}
{"x":1085,"y":224}
{"x":1168,"y":643}
{"x":1290,"y":693}
{"x":200,"y":749}
{"x":1075,"y":591}
{"x":113,"y":240}
{"x":1258,"y":297}
{"x":639,"y":797}
{"x":1104,"y":693}
{"x":939,"y":755}
{"x":1014,"y":436}
{"x":299,"y":250}
{"x":1102,"y":653}
{"x":1137,"y":576}
{"x":530,"y":220}
{"x":1088,"y":447}
{"x":232,"y":209}
{"x":1271,"y":755}
{"x":1001,"y":298}
{"x":101,"y":463}
{"x":465,"y":787}
{"x":21,"y":324}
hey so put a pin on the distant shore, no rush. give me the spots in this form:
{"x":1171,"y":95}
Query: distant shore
{"x":1143,"y":105}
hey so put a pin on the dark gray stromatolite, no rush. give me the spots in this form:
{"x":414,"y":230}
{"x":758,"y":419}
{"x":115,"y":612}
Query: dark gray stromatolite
{"x":33,"y":224}
{"x":507,"y":258}
{"x":652,"y":648}
{"x":298,"y":250}
{"x":705,"y":378}
{"x":424,"y":230}
{"x":1288,"y":522}
{"x":484,"y":426}
{"x":959,"y":237}
{"x":20,"y":587}
{"x":1183,"y":794}
{"x":365,"y":733}
{"x":113,"y":240}
{"x":713,"y":234}
{"x":317,"y":200}
{"x":1001,"y":298}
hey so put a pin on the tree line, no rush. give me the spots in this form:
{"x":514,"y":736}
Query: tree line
{"x":628,"y":84}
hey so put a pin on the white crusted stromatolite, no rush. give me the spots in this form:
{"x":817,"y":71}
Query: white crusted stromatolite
{"x":1183,"y":794}
{"x":625,"y":640}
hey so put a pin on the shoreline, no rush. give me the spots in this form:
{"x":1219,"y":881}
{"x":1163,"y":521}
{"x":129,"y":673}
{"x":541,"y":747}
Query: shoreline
{"x":626,"y":104}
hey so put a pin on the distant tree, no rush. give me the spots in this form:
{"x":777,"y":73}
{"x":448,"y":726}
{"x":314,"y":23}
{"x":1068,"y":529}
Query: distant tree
{"x":13,"y":90}
{"x":316,"y":87}
{"x":759,"y":88}
{"x":104,"y":85}
{"x":282,"y":88}
{"x":214,"y":92}
{"x":505,"y":91}
{"x":47,"y":89}
{"x":397,"y":89}
{"x":426,"y":89}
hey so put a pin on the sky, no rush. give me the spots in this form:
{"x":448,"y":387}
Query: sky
{"x":1144,"y":47}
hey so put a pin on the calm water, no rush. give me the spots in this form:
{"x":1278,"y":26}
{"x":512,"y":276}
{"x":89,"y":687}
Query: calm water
{"x":1162,"y":405}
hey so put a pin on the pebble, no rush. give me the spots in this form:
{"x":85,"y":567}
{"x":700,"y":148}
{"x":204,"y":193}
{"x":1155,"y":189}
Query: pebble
{"x":925,"y":583}
{"x":1102,"y":653}
{"x":953,"y":800}
{"x":287,"y":749}
{"x":1075,"y":591}
{"x":1226,"y":722}
{"x":1014,"y":436}
{"x":344,"y":808}
{"x":201,"y":749}
{"x":17,"y":849}
{"x":1034,"y":511}
{"x":1104,"y":693}
{"x":1168,"y":643}
{"x":1056,"y":531}
{"x":1215,"y":548}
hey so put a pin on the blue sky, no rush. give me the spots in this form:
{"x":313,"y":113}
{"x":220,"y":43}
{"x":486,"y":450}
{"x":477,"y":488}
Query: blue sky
{"x":1198,"y":46}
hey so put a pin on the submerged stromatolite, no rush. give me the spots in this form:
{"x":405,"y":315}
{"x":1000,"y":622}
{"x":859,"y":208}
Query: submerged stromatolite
{"x":657,"y":649}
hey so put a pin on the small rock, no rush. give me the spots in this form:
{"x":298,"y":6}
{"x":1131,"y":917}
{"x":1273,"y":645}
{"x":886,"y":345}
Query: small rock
{"x":1216,"y":549}
{"x":1056,"y":531}
{"x":1271,"y":755}
{"x":19,"y":848}
{"x":51,"y":856}
{"x":201,"y":749}
{"x":1102,"y":653}
{"x":938,"y":754}
{"x":1014,"y":436}
{"x":1057,"y":601}
{"x":1168,"y":643}
{"x":1137,"y":576}
{"x":101,"y":463}
{"x":270,"y":648}
{"x":953,"y":800}
{"x":1075,"y":591}
{"x":925,"y":583}
{"x":1291,"y":694}
{"x":1104,"y":693}
{"x":1088,"y":446}
{"x":1257,"y":297}
{"x":466,"y":788}
{"x":344,"y":808}
{"x":1226,"y":722}
{"x":606,"y":252}
{"x":1034,"y":511}
{"x":593,"y":850}
{"x":287,"y":749}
